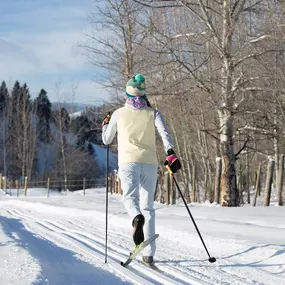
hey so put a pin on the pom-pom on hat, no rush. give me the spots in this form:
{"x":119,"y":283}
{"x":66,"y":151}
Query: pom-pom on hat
{"x":136,"y":86}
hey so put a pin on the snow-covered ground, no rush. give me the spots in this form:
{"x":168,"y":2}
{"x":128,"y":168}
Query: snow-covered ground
{"x":60,"y":241}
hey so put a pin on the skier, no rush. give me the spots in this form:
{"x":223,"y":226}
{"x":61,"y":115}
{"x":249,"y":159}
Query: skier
{"x":135,"y":124}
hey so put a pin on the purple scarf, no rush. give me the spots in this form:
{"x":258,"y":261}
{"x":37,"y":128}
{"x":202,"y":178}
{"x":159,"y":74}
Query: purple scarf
{"x":136,"y":102}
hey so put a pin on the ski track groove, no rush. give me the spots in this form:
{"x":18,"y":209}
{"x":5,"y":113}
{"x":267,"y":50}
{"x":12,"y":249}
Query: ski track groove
{"x":202,"y":273}
{"x":115,"y":248}
{"x":168,"y":269}
{"x":174,"y":268}
{"x":140,"y":270}
{"x":87,"y":251}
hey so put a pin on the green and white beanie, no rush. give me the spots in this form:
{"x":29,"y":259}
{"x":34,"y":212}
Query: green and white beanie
{"x":136,"y":86}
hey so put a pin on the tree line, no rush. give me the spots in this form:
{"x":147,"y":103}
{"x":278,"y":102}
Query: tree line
{"x":39,"y":139}
{"x":216,"y":70}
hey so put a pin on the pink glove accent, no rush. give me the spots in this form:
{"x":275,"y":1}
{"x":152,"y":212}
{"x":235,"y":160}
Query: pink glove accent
{"x":171,"y":158}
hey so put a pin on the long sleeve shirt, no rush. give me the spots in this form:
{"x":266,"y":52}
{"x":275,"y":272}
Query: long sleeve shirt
{"x":109,"y":131}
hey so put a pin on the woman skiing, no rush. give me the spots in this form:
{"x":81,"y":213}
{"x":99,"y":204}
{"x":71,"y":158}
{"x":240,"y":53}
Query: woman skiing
{"x":135,"y":124}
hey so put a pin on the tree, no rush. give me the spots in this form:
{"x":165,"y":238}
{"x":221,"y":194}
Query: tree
{"x":111,"y":46}
{"x":13,"y":167}
{"x":91,"y":149}
{"x":4,"y":103}
{"x":79,"y":125}
{"x":43,"y":107}
{"x":210,"y":45}
{"x":4,"y":96}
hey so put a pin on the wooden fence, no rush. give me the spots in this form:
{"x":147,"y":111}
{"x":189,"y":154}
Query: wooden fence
{"x":166,"y":192}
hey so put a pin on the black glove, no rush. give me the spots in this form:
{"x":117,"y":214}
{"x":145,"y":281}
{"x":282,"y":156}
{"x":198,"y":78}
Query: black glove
{"x":172,"y":162}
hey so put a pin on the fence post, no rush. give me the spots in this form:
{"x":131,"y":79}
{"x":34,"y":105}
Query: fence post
{"x":115,"y":180}
{"x":84,"y":185}
{"x":26,"y":185}
{"x":48,"y":186}
{"x":17,"y":187}
{"x":111,"y":184}
{"x":257,"y":185}
{"x":5,"y":184}
{"x":269,"y":179}
{"x":65,"y":184}
{"x":120,"y":186}
{"x":0,"y":180}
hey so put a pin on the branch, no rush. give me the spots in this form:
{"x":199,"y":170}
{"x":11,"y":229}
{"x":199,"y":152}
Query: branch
{"x":258,"y":130}
{"x":239,"y":11}
{"x":149,"y":4}
{"x":254,"y":55}
{"x":242,"y":148}
{"x":213,"y":136}
{"x":207,"y":21}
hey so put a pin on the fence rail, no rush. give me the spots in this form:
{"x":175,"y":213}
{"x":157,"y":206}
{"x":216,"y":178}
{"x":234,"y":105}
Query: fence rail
{"x":165,"y":192}
{"x":25,"y":186}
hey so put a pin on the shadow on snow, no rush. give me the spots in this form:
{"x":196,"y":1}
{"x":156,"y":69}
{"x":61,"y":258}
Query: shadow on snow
{"x":58,"y":265}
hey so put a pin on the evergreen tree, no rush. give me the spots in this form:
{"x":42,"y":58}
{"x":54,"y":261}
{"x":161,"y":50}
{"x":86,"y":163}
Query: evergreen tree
{"x":4,"y":96}
{"x":79,"y":126}
{"x":24,"y":102}
{"x":14,"y":168}
{"x":21,"y":148}
{"x":43,"y":110}
{"x":91,"y":149}
{"x":4,"y":103}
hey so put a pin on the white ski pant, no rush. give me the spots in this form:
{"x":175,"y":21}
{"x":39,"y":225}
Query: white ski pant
{"x":138,"y":181}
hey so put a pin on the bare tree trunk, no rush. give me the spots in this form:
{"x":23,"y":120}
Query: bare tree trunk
{"x":62,"y":145}
{"x":32,"y":148}
{"x":127,"y":32}
{"x":183,"y":163}
{"x":229,"y":195}
{"x":166,"y":185}
{"x":276,"y":151}
{"x":187,"y":171}
{"x":247,"y":177}
{"x":194,"y":184}
{"x":218,"y":179}
{"x":257,"y":185}
{"x":280,"y":181}
{"x":172,"y":191}
{"x":269,"y":180}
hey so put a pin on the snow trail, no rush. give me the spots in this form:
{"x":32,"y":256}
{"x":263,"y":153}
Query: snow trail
{"x":67,"y":225}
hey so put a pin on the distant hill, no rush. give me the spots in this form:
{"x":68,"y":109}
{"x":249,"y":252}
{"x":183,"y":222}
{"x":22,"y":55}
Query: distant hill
{"x":71,"y":107}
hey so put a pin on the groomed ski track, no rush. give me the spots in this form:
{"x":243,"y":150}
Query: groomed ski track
{"x":180,"y":264}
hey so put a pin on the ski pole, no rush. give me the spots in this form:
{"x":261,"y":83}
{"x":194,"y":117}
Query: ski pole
{"x":107,"y":188}
{"x":211,"y":259}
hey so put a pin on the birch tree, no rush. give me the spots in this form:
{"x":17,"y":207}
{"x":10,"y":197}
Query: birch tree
{"x":221,"y":28}
{"x":110,"y":46}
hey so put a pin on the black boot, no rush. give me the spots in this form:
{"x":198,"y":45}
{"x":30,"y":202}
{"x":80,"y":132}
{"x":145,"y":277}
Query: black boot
{"x":138,"y":224}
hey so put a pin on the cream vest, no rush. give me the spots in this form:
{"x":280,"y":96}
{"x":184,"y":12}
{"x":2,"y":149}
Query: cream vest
{"x":136,"y":135}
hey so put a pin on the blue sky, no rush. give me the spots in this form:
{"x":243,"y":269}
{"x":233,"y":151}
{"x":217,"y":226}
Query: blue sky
{"x":38,"y":45}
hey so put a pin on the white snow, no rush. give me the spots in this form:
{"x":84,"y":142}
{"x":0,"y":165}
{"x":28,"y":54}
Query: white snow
{"x":75,"y":114}
{"x":60,"y":240}
{"x":260,"y":38}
